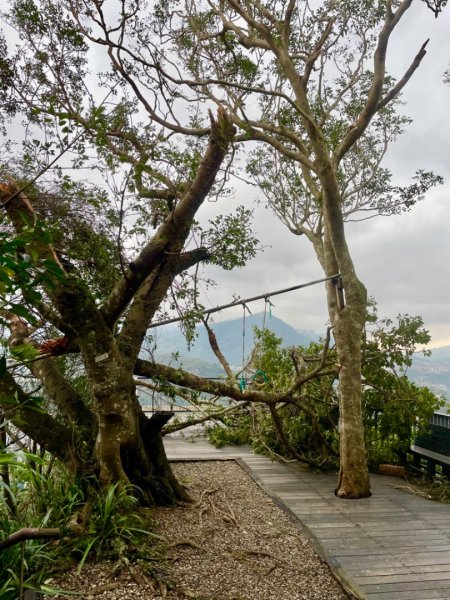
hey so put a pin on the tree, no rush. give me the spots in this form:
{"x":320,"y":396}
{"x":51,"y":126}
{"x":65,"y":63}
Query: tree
{"x":297,"y":79}
{"x":69,"y":262}
{"x":394,"y":408}
{"x":148,"y":134}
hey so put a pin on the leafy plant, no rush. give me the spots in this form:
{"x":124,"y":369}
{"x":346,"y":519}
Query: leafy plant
{"x":113,"y":524}
{"x":394,"y":408}
{"x":25,"y":565}
{"x":44,"y":497}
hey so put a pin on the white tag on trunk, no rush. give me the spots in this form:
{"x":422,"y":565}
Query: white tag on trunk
{"x":101,"y":357}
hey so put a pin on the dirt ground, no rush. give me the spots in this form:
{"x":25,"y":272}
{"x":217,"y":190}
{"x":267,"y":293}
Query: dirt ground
{"x":232,"y":543}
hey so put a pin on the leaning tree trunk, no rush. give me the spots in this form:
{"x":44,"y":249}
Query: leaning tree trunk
{"x":348,"y":325}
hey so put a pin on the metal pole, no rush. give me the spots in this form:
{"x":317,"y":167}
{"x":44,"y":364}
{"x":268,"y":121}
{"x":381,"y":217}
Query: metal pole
{"x":238,"y":302}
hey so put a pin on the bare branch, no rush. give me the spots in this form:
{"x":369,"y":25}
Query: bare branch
{"x":215,"y":348}
{"x":404,"y":80}
{"x":376,"y":89}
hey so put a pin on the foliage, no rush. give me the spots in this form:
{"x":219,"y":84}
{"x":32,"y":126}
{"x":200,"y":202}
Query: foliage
{"x":235,"y":430}
{"x":22,"y":270}
{"x":438,"y":489}
{"x":38,"y":500}
{"x":45,"y":497}
{"x":394,"y":408}
{"x":113,"y":525}
{"x":230,"y":239}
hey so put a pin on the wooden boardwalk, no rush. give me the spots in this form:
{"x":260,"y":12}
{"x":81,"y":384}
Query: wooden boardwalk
{"x":392,"y":546}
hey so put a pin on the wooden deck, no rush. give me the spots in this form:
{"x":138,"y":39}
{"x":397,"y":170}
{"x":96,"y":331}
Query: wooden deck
{"x":392,"y":546}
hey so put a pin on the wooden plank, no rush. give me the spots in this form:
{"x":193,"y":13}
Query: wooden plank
{"x":404,"y":578}
{"x":392,"y":546}
{"x":365,"y":571}
{"x":410,"y":595}
{"x":408,"y":586}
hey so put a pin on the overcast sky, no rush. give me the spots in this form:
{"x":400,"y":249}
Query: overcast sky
{"x":404,"y":261}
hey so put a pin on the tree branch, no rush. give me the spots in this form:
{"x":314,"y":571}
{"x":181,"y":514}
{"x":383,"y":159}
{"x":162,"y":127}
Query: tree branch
{"x":376,"y":89}
{"x":177,"y":224}
{"x":404,"y":80}
{"x":28,"y":533}
{"x":37,"y":425}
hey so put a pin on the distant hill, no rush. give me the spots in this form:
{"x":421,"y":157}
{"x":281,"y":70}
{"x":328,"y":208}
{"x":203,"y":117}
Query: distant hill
{"x":433,"y":371}
{"x":199,"y":357}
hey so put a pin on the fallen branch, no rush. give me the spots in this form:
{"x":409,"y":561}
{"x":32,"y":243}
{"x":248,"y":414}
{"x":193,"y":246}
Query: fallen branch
{"x":411,"y":490}
{"x":107,"y":587}
{"x":28,"y":533}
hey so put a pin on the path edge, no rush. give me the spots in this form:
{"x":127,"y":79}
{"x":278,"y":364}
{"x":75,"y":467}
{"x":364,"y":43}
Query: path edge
{"x":342,"y":577}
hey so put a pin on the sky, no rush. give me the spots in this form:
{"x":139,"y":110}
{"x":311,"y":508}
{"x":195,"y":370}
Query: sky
{"x":404,"y":261}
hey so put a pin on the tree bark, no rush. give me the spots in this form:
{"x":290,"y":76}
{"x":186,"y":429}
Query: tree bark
{"x":353,"y":472}
{"x":28,"y":533}
{"x":348,"y":325}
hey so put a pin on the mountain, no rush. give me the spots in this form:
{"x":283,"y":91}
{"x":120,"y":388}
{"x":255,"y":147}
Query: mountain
{"x":433,"y":371}
{"x":230,"y":336}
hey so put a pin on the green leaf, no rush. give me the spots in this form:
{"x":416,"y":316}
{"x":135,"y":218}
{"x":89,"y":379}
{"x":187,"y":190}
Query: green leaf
{"x":21,"y":311}
{"x":24,"y":352}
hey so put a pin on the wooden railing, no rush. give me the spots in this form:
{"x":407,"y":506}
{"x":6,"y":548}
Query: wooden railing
{"x":432,"y":449}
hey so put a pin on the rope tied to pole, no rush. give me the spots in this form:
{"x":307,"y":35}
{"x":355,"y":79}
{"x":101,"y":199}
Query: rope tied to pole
{"x":242,"y":381}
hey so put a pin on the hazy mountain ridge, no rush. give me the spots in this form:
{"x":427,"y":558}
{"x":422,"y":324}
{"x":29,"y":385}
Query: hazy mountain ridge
{"x":432,"y":371}
{"x":230,"y":337}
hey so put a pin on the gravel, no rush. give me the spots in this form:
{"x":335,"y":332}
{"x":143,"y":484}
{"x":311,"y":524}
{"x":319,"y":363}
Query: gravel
{"x":233,"y":543}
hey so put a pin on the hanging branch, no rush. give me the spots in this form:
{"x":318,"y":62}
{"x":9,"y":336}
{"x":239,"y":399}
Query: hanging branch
{"x":283,"y":438}
{"x":215,"y":348}
{"x":217,"y":416}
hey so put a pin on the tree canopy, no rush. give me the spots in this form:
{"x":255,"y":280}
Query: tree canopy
{"x":132,"y":119}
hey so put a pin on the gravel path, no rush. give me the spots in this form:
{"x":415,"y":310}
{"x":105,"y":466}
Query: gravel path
{"x":233,"y":543}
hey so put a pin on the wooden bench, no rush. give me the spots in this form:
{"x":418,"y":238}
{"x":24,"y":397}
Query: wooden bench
{"x":433,"y":447}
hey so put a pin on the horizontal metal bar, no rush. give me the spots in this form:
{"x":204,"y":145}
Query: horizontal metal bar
{"x":244,"y":301}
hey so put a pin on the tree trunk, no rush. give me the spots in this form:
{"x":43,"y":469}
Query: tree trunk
{"x":348,"y":325}
{"x":165,"y":488}
{"x":129,"y":446}
{"x":141,"y":460}
{"x":353,"y":473}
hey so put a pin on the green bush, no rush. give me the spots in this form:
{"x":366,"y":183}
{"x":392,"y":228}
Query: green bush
{"x":394,"y":408}
{"x":39,"y":496}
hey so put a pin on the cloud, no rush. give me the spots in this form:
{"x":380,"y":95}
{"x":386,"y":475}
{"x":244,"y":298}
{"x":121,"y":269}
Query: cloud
{"x":403,"y":260}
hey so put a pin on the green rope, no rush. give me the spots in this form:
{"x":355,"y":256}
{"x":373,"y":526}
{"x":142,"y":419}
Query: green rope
{"x":260,"y":377}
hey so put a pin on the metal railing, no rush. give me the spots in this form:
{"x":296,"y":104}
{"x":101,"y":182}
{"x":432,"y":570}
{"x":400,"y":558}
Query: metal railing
{"x":441,"y":419}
